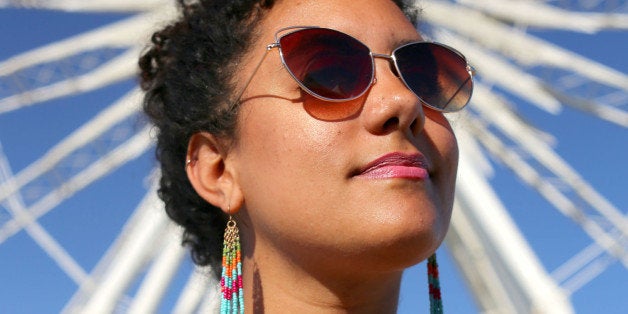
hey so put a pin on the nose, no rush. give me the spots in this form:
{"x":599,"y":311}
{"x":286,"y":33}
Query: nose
{"x":390,"y":105}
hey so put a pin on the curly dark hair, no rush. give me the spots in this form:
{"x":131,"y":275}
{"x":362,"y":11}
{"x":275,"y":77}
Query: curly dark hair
{"x":186,"y":73}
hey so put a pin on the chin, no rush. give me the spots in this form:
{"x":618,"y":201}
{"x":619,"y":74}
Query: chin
{"x":416,"y":248}
{"x":401,"y":245}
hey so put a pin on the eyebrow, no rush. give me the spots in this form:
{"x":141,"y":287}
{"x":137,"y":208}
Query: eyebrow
{"x":402,"y":42}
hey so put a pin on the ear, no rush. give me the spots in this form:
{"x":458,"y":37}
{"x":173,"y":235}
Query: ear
{"x":211,"y":174}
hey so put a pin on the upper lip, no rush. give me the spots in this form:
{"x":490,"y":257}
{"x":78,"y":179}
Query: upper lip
{"x":396,"y":159}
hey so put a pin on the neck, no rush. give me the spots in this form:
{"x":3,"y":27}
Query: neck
{"x":278,"y":288}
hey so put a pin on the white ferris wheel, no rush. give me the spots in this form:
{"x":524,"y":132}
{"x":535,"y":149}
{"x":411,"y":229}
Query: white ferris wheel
{"x":534,"y":227}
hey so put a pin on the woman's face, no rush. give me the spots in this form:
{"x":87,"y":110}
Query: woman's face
{"x":331,"y":184}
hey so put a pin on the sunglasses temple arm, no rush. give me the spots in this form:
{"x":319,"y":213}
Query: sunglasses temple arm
{"x":246,"y":85}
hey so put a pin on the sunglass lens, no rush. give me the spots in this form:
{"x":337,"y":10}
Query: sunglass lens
{"x":436,"y":74}
{"x":327,"y":64}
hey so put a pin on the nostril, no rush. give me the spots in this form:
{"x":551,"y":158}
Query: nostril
{"x":391,"y":124}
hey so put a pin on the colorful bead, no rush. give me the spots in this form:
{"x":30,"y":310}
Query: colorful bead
{"x":231,"y":288}
{"x":436,"y":303}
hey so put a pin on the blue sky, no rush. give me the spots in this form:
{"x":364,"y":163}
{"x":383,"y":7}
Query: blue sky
{"x":86,"y":224}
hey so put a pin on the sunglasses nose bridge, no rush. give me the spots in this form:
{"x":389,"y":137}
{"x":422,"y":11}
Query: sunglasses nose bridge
{"x":389,"y":58}
{"x":383,"y":56}
{"x":392,"y":63}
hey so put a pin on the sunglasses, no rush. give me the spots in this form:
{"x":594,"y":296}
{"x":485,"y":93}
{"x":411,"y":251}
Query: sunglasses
{"x":333,"y":66}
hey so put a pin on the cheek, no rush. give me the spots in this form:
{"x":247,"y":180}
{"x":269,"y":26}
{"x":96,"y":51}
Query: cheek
{"x":284,"y":153}
{"x":444,"y":146}
{"x":287,"y":165}
{"x":442,"y":138}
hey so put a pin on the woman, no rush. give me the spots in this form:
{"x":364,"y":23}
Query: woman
{"x":322,"y":160}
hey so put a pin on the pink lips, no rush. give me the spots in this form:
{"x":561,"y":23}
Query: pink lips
{"x":396,"y":165}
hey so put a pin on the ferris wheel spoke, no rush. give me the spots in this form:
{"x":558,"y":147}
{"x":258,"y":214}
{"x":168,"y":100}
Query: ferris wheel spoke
{"x":160,"y":274}
{"x":493,"y":109}
{"x":557,"y":198}
{"x":119,"y":69}
{"x":537,"y":14}
{"x":125,"y":259}
{"x":586,"y":265}
{"x":86,"y":6}
{"x":609,"y":113}
{"x":79,"y":51}
{"x":522,"y":47}
{"x":85,"y":135}
{"x":484,"y":234}
{"x":591,"y":5}
{"x":537,"y":91}
{"x":504,"y":74}
{"x":47,"y":242}
{"x":609,"y":241}
{"x":127,"y":151}
{"x":197,"y":287}
{"x":123,"y":34}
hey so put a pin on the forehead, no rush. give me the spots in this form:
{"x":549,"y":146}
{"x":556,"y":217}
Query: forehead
{"x":378,"y":23}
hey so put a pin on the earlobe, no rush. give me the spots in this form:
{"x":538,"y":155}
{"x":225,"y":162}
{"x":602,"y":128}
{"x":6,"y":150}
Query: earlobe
{"x":210,"y":174}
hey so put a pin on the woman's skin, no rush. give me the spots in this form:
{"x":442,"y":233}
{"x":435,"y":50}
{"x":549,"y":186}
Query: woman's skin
{"x":321,"y":233}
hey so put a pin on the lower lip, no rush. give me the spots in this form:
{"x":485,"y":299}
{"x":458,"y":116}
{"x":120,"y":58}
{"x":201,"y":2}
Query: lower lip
{"x":389,"y":172}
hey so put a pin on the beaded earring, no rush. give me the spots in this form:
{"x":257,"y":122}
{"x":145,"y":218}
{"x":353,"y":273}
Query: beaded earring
{"x":436,"y":304}
{"x":231,"y":289}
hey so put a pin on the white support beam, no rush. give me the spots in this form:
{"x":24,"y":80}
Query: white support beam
{"x":87,"y":6}
{"x":120,"y":68}
{"x":195,"y":291}
{"x":472,"y":259}
{"x":499,"y":71}
{"x":125,"y":107}
{"x":521,"y":276}
{"x":520,"y":46}
{"x":125,"y":260}
{"x":494,"y":110}
{"x":127,"y":33}
{"x":538,"y":14}
{"x":15,"y":205}
{"x":129,"y":150}
{"x":160,"y":274}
